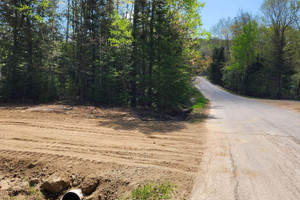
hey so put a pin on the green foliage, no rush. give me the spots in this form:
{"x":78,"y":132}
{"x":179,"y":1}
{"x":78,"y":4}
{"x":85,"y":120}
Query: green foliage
{"x":26,"y":70}
{"x":120,"y":32}
{"x":243,"y":55}
{"x":153,"y":192}
{"x":200,"y":100}
{"x":104,"y":54}
{"x":190,"y":16}
{"x":199,"y":103}
{"x":215,"y":70}
{"x":244,"y":48}
{"x":262,"y":59}
{"x":32,"y":9}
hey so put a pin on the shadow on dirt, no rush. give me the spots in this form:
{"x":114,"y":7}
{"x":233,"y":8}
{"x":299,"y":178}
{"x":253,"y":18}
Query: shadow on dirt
{"x":144,"y":120}
{"x":147,"y":127}
{"x":200,"y":117}
{"x":149,"y":122}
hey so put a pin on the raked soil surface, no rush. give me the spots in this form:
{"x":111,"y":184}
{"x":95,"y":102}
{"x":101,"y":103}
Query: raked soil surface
{"x":80,"y":144}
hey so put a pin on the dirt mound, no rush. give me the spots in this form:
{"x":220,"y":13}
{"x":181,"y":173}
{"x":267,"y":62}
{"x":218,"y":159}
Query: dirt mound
{"x":55,"y":185}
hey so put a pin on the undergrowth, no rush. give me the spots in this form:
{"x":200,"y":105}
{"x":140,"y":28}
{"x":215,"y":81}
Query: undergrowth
{"x":199,"y":101}
{"x":151,"y":191}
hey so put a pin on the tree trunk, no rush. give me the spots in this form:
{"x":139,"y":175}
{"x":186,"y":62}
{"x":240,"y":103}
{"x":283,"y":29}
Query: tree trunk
{"x":68,"y":21}
{"x":298,"y":93}
{"x":30,"y":68}
{"x":151,"y":61}
{"x":100,"y":47}
{"x":134,"y":54}
{"x":83,"y":53}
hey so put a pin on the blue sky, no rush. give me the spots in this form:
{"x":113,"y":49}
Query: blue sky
{"x":217,"y":9}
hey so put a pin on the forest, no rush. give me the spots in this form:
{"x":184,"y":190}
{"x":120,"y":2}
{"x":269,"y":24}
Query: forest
{"x":107,"y":52}
{"x":143,"y":53}
{"x":257,"y":55}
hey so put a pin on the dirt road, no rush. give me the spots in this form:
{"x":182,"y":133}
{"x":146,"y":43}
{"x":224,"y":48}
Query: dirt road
{"x":293,"y":106}
{"x":253,"y":150}
{"x":114,"y":145}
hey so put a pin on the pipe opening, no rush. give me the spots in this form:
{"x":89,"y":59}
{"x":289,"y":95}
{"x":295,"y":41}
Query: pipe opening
{"x":70,"y":196}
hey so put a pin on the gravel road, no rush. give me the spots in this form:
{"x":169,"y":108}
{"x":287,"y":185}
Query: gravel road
{"x":253,"y":150}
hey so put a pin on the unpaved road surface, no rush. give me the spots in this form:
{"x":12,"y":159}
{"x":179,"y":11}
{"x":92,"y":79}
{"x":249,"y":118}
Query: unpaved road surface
{"x":293,"y":106}
{"x":253,"y":150}
{"x":114,"y":146}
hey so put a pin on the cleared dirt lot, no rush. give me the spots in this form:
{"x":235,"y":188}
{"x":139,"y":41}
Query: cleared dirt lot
{"x":115,"y":146}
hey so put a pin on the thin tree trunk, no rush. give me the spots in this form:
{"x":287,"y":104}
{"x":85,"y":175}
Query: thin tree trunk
{"x":84,"y":63}
{"x":30,"y":68}
{"x":68,"y":21}
{"x":15,"y":46}
{"x":151,"y":60}
{"x":118,"y":4}
{"x":298,"y":93}
{"x":134,"y":55}
{"x":100,"y":42}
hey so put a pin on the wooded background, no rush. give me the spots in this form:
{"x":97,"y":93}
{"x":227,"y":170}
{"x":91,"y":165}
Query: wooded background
{"x":137,"y":53}
{"x":143,"y":52}
{"x":258,"y":55}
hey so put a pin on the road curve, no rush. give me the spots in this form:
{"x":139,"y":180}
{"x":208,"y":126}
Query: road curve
{"x":253,"y":150}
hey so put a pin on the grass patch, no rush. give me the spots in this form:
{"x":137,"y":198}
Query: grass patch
{"x":153,"y":192}
{"x":198,"y":100}
{"x":199,"y":103}
{"x":26,"y":192}
{"x":35,"y":193}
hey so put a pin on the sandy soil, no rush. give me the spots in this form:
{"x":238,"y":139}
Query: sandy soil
{"x":116,"y":146}
{"x":284,"y":104}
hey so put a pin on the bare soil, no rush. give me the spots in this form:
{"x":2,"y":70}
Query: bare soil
{"x":116,"y":146}
{"x":284,"y":104}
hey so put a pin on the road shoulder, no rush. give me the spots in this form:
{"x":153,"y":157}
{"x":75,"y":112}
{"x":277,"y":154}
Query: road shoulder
{"x":290,"y":105}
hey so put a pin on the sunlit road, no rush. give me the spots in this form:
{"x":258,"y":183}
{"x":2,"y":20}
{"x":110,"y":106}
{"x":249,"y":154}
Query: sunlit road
{"x":253,"y":150}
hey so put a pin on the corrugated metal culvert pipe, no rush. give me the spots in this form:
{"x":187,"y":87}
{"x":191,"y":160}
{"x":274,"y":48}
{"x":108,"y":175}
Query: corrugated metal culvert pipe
{"x":75,"y":194}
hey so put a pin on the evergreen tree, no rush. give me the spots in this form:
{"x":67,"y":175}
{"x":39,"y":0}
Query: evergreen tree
{"x":215,"y":69}
{"x":136,"y":53}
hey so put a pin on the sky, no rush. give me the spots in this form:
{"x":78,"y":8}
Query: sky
{"x":215,"y":10}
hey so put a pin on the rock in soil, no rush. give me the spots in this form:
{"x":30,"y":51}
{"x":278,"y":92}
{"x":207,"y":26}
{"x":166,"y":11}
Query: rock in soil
{"x":4,"y":185}
{"x":33,"y":182}
{"x":55,"y":185}
{"x":89,"y":185}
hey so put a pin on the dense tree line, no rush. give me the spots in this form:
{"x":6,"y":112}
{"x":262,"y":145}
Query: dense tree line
{"x":262,"y":54}
{"x":137,"y":53}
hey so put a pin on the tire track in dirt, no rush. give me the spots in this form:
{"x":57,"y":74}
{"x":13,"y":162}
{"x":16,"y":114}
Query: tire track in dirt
{"x":118,"y":147}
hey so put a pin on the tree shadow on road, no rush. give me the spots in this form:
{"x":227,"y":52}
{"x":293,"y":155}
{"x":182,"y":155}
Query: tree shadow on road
{"x":200,"y":116}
